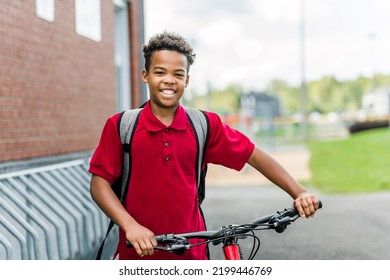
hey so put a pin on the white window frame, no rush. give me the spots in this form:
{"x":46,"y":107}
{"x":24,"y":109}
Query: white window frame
{"x":88,"y":19}
{"x":45,"y":9}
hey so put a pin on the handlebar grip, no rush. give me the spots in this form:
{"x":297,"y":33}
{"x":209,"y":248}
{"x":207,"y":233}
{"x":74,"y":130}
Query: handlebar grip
{"x":159,"y":238}
{"x":294,"y":211}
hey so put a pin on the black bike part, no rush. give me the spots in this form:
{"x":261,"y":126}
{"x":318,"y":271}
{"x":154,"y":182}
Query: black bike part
{"x":176,"y":243}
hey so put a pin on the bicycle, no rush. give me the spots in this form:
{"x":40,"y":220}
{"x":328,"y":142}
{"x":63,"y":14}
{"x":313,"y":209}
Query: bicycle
{"x":228,"y":235}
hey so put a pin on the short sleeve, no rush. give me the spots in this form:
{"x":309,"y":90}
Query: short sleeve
{"x":106,"y":161}
{"x":227,"y":146}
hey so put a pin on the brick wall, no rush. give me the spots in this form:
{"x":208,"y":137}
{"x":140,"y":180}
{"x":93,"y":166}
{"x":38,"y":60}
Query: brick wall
{"x":56,"y":87}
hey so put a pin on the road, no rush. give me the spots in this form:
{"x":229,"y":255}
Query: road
{"x":349,"y":227}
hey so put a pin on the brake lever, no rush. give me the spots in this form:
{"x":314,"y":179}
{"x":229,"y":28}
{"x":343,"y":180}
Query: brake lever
{"x":284,"y":218}
{"x":172,"y":243}
{"x":177,"y":249}
{"x":162,"y":248}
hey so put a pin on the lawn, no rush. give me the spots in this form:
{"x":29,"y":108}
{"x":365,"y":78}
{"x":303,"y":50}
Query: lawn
{"x":360,"y":163}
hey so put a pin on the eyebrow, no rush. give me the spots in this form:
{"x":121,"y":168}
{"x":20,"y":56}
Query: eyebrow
{"x":162,"y":68}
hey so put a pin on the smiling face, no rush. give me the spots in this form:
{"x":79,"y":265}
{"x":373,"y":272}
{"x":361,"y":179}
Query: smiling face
{"x":167,"y":78}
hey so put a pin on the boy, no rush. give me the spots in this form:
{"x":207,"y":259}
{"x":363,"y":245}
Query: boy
{"x":162,"y":195}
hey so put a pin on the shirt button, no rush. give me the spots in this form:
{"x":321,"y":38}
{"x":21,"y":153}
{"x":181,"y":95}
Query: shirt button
{"x":167,"y":158}
{"x":166,"y":144}
{"x":167,"y":129}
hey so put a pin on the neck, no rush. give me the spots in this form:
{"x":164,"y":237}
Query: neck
{"x":165,"y":115}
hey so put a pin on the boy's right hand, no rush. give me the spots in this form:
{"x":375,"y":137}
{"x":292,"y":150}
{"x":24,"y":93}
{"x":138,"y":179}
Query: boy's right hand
{"x":142,"y":240}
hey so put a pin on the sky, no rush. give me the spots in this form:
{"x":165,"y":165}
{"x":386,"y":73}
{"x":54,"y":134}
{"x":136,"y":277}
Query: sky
{"x":251,"y":42}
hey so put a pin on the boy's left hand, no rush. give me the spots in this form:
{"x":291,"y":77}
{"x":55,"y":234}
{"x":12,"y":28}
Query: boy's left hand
{"x":306,"y":205}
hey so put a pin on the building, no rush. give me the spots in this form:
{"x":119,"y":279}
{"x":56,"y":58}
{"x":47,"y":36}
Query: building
{"x":261,"y":104}
{"x":376,"y":104}
{"x":60,"y":78}
{"x":65,"y":67}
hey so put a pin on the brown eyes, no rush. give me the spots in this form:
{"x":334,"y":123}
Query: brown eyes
{"x":161,"y":73}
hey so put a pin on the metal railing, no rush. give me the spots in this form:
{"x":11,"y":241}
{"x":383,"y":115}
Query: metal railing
{"x":47,"y":213}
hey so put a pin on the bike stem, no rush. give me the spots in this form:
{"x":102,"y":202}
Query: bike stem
{"x":231,"y":249}
{"x":231,"y":252}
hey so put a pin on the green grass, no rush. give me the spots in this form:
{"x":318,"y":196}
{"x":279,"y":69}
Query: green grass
{"x":358,"y":164}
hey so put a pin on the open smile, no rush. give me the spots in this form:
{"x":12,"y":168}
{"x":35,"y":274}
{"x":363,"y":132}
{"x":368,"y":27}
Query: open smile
{"x":168,"y":92}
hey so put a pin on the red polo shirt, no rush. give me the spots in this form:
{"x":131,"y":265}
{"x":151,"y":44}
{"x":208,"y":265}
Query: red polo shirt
{"x":162,"y":192}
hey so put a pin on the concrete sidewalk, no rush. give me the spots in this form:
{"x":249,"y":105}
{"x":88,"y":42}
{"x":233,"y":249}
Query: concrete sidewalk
{"x":295,"y":160}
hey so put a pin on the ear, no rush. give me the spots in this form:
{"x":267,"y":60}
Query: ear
{"x":145,"y":76}
{"x":187,"y":80}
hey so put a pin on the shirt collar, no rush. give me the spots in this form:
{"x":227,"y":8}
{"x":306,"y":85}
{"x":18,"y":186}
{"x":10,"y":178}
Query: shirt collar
{"x":152,"y":123}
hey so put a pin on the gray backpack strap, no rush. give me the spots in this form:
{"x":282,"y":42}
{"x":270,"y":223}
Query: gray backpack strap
{"x":200,"y":124}
{"x":126,"y":129}
{"x":126,"y":124}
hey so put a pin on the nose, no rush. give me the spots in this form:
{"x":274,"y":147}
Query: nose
{"x":169,"y":80}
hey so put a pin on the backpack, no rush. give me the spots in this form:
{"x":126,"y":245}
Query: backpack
{"x":127,"y":122}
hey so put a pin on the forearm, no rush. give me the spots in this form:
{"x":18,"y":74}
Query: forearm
{"x":275,"y":172}
{"x":105,"y":198}
{"x":140,"y":237}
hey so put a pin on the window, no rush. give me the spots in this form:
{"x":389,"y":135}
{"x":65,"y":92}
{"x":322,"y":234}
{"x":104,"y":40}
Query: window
{"x":45,"y":9}
{"x":88,"y":19}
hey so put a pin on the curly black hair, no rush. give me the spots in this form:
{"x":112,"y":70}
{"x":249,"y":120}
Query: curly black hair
{"x":171,"y":42}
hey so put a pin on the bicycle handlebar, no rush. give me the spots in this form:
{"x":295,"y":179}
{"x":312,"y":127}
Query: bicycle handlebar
{"x":178,"y":243}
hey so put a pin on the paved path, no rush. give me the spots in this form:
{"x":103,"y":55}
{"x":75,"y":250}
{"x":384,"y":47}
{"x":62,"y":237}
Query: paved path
{"x":349,"y":227}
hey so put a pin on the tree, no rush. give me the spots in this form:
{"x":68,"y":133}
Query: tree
{"x":324,"y":95}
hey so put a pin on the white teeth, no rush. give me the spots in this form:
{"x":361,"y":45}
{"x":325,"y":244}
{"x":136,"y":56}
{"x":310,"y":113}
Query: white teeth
{"x":168,"y":92}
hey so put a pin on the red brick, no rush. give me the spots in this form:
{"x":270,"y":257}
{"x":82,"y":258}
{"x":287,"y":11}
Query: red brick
{"x":56,"y":87}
